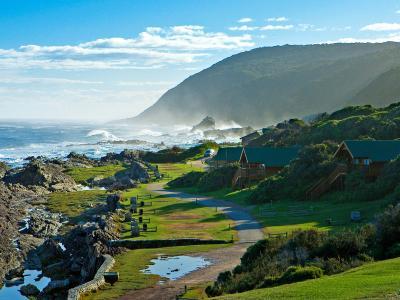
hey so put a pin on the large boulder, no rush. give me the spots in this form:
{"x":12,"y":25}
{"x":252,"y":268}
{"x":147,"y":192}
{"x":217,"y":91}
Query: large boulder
{"x":138,"y":171}
{"x":41,"y":173}
{"x":79,"y":160}
{"x":29,"y":290}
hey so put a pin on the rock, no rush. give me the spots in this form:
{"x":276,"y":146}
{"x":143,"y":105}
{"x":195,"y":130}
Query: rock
{"x":208,"y":123}
{"x":40,"y":173}
{"x":50,"y":252}
{"x":15,"y":273}
{"x":80,"y":160}
{"x":138,"y":171}
{"x":126,"y":156}
{"x":226,"y":133}
{"x":29,"y":290}
{"x":3,"y":169}
{"x":44,"y":224}
{"x":57,"y":285}
{"x":113,"y":201}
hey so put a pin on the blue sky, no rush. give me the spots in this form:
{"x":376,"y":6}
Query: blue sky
{"x":110,"y":59}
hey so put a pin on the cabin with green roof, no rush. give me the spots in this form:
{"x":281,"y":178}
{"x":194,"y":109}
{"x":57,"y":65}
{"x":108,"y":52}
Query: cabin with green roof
{"x":226,"y":156}
{"x":257,"y":163}
{"x":368,"y":155}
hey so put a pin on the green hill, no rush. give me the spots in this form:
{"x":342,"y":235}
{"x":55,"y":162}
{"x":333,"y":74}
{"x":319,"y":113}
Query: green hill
{"x":378,"y":280}
{"x":269,"y":84}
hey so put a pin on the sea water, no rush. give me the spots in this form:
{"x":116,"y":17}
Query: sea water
{"x":30,"y":277}
{"x":19,"y":140}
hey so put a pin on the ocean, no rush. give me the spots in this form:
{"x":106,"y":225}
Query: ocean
{"x":21,"y":139}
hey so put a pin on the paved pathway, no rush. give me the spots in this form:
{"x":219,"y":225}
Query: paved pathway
{"x":249,"y":231}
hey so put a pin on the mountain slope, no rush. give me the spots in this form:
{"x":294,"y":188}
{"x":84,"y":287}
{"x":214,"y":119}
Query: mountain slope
{"x":266,"y":85}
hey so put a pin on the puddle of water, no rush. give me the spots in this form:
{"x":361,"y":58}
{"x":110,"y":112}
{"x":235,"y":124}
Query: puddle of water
{"x":30,"y":277}
{"x":175,"y":267}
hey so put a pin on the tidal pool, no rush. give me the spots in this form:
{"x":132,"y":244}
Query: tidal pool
{"x":175,"y":267}
{"x":30,"y":277}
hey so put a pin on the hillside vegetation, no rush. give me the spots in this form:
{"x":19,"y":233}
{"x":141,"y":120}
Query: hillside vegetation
{"x":270,"y":84}
{"x":377,"y":280}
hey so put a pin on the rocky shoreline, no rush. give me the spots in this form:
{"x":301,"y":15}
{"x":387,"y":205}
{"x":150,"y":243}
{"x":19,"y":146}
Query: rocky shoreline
{"x":32,"y":237}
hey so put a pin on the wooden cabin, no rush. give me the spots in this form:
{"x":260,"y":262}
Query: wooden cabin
{"x":226,"y":156}
{"x":261,"y":162}
{"x":368,"y":156}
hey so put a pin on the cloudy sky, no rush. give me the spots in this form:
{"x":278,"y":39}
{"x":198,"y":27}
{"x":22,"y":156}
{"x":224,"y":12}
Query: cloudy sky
{"x":110,"y":59}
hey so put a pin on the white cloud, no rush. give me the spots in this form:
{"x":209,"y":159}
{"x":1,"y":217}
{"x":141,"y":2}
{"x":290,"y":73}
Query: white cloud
{"x":310,"y":27}
{"x":245,"y":20}
{"x":152,"y":48}
{"x":276,"y":27}
{"x":381,"y":27}
{"x":45,"y":80}
{"x":243,"y":28}
{"x":394,"y":37}
{"x":278,"y":19}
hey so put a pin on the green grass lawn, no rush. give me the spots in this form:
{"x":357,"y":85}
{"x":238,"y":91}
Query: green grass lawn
{"x":74,"y":204}
{"x":81,"y":175}
{"x":174,"y":170}
{"x":178,"y":219}
{"x":130,"y":264}
{"x":379,"y":280}
{"x":289,"y":215}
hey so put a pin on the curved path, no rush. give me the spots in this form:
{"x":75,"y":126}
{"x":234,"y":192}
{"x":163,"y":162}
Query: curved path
{"x":249,"y":231}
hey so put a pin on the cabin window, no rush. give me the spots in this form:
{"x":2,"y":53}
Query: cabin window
{"x":366,"y":162}
{"x":356,"y":161}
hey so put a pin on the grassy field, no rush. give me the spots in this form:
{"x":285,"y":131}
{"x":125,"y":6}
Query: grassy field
{"x":81,"y":175}
{"x":74,"y":204}
{"x":380,"y":280}
{"x":178,"y":219}
{"x":289,"y":215}
{"x":172,"y":171}
{"x":130,"y":264}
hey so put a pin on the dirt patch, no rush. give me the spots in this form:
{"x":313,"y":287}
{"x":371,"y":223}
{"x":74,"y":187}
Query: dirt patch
{"x":189,"y":226}
{"x":184,"y":217}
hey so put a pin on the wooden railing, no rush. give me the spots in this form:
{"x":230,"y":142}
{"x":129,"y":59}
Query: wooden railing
{"x":324,"y":184}
{"x":247,"y":175}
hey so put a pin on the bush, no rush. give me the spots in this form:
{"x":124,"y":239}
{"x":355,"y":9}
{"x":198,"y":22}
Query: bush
{"x":188,"y":180}
{"x":217,"y":179}
{"x":298,"y":273}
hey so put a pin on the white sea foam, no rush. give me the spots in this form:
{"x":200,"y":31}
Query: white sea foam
{"x":149,"y":132}
{"x":104,"y":135}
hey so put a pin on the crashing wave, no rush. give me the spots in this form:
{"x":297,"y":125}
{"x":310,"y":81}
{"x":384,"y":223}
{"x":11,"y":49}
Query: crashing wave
{"x":104,"y":135}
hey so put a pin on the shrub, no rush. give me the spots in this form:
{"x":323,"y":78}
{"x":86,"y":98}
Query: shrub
{"x":298,"y":273}
{"x":188,"y":180}
{"x":217,"y":179}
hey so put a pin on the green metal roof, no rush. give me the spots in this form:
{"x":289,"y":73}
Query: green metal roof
{"x":228,"y":154}
{"x":380,"y":151}
{"x":271,"y":157}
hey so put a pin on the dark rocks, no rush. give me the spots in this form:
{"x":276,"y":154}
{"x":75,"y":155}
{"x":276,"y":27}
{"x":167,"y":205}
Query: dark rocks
{"x":227,"y":133}
{"x":44,"y":224}
{"x":126,"y":156}
{"x":29,"y":290}
{"x":57,"y":285}
{"x":208,"y":123}
{"x":113,"y":201}
{"x":50,"y":252}
{"x":44,"y":174}
{"x":137,"y":171}
{"x":80,"y":160}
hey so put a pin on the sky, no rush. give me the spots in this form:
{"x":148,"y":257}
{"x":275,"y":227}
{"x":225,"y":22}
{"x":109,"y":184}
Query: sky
{"x":111,"y":59}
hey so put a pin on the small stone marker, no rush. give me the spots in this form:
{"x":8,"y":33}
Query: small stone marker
{"x":135,"y":231}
